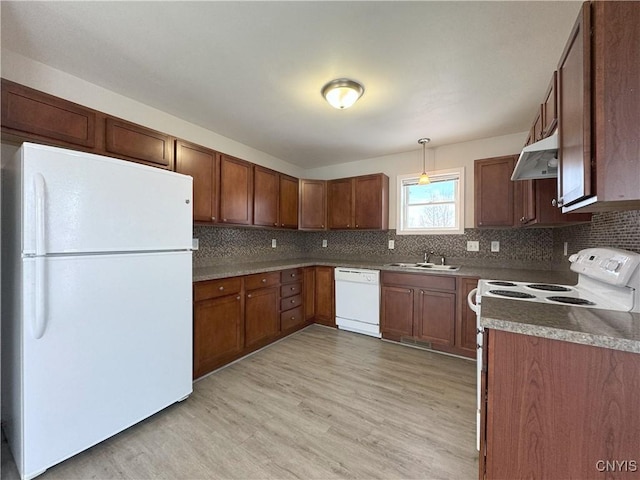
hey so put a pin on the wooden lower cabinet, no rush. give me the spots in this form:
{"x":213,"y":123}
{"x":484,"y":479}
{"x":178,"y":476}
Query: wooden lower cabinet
{"x":427,"y":308}
{"x":262,"y":309}
{"x":557,"y":409}
{"x":309,"y":286}
{"x":325,"y":313}
{"x":466,"y":337}
{"x":435,"y":321}
{"x":396,"y":315}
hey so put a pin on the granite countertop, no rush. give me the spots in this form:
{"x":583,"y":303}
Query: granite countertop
{"x":588,"y":326}
{"x":513,"y":274}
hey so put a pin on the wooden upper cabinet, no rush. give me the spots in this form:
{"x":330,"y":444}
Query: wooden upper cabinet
{"x":265,"y":196}
{"x":371,"y":202}
{"x":550,"y":107}
{"x":494,"y":198}
{"x":313,"y":205}
{"x":236,"y":191}
{"x":359,"y":202}
{"x":599,"y":111}
{"x":537,"y":206}
{"x":340,"y":203}
{"x":201,"y":164}
{"x":288,"y":201}
{"x":137,"y":143}
{"x":34,"y":115}
{"x":574,"y":92}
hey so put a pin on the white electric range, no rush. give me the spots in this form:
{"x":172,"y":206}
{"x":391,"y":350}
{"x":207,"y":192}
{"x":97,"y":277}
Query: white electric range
{"x":608,"y":279}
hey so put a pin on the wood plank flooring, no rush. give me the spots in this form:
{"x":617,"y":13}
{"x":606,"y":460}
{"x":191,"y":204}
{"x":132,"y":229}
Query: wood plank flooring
{"x":320,"y":404}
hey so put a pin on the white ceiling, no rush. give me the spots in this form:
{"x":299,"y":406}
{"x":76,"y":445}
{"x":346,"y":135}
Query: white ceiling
{"x":252,"y":71}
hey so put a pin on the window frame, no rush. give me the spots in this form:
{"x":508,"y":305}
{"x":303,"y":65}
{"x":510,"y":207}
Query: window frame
{"x":459,"y":202}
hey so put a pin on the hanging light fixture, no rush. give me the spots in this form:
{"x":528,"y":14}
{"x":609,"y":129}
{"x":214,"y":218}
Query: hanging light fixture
{"x":424,"y":178}
{"x":342,"y":92}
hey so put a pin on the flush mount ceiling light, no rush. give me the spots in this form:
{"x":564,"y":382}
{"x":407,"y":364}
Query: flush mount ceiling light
{"x":342,"y":92}
{"x":424,"y":178}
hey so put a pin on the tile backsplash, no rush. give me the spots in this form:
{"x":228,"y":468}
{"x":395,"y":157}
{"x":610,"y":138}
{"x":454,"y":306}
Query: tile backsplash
{"x":536,"y":248}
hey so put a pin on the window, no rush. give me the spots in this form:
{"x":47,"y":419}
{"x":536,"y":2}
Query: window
{"x":436,"y":208}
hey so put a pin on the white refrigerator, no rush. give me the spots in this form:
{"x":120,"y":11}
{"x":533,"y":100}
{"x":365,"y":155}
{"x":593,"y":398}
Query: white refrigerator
{"x":96,"y":299}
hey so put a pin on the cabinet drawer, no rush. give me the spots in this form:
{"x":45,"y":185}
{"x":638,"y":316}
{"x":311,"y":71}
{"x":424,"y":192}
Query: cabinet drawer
{"x":291,"y":318}
{"x":216,"y":288}
{"x":290,"y":290}
{"x":434,"y":282}
{"x":291,"y":302}
{"x":291,"y":275}
{"x":260,"y":280}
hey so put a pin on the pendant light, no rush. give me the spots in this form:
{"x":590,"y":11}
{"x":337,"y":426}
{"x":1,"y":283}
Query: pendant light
{"x":424,"y":178}
{"x":342,"y":92}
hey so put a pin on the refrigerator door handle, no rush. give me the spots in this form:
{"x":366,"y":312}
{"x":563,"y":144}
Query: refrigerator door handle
{"x":470,"y":300}
{"x":40,"y":317}
{"x":39,"y":188}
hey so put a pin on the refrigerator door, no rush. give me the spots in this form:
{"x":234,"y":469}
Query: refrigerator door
{"x":116,"y":348}
{"x":77,"y":202}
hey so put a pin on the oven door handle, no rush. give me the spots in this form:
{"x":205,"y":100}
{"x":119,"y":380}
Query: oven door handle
{"x":470,"y":300}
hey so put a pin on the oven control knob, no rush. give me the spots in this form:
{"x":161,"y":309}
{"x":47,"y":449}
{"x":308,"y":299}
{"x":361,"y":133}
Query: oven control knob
{"x":612,"y":266}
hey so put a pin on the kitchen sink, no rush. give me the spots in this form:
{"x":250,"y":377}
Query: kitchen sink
{"x":425,"y":266}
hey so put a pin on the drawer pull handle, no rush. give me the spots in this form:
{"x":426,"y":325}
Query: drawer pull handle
{"x":264,"y":280}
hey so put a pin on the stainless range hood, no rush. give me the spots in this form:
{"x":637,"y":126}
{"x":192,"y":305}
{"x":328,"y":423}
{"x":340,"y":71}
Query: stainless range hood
{"x":538,"y":160}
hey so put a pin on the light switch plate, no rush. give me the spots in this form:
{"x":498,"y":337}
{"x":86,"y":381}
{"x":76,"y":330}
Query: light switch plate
{"x":495,"y":246}
{"x":392,"y":244}
{"x":274,"y":244}
{"x":473,"y":246}
{"x":324,"y":243}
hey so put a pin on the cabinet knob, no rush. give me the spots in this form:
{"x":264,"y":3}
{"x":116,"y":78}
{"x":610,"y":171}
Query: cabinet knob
{"x":224,"y":219}
{"x":221,"y":288}
{"x":322,"y":226}
{"x":293,"y":288}
{"x":293,"y":301}
{"x":348,"y":224}
{"x":249,"y":295}
{"x":554,"y":203}
{"x":293,"y":275}
{"x":293,"y":318}
{"x":282,"y":225}
{"x":264,"y":280}
{"x":357,"y":225}
{"x":275,"y":224}
{"x":213,"y":218}
{"x":238,"y":297}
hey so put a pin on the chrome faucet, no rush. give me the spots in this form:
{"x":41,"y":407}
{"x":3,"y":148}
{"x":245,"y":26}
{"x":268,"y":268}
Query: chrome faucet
{"x":427,"y":256}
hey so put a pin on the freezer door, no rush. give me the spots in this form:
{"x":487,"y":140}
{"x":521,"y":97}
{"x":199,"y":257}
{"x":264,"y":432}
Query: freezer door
{"x":79,"y":203}
{"x":116,"y":348}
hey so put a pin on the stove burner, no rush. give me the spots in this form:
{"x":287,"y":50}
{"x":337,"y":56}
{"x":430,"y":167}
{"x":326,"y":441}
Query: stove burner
{"x":571,"y":300}
{"x":511,"y":293}
{"x":549,"y":288}
{"x":503,"y":284}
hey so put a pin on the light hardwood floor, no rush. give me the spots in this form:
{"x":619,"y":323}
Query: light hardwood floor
{"x":320,"y":404}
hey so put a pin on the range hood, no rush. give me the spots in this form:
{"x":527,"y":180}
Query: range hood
{"x":538,"y":160}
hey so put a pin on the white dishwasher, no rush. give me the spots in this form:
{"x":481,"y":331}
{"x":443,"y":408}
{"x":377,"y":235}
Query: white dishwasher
{"x":358,"y":300}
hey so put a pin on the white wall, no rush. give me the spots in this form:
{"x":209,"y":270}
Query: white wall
{"x":440,"y":158}
{"x":42,"y":77}
{"x":55,"y":82}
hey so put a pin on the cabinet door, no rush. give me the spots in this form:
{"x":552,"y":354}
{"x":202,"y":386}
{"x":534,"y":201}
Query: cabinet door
{"x":201,"y":164}
{"x":396,"y":315}
{"x":466,"y":325}
{"x":313,"y":205}
{"x":574,"y":116}
{"x":217,"y":332}
{"x":537,"y":126}
{"x":288,"y":203}
{"x":371,"y":202}
{"x":236,"y":191}
{"x":265,"y":197}
{"x":137,"y":143}
{"x":436,"y":317}
{"x":340,"y":199}
{"x":309,"y":285}
{"x":325,"y":297}
{"x":550,"y":107}
{"x":494,"y":192}
{"x":44,"y":117}
{"x":262,"y":316}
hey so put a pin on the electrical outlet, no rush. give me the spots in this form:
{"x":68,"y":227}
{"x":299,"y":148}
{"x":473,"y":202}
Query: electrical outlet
{"x":274,"y":244}
{"x":473,"y":246}
{"x":565,"y":249}
{"x":392,"y":244}
{"x":195,"y":244}
{"x":495,"y":246}
{"x":324,"y":243}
